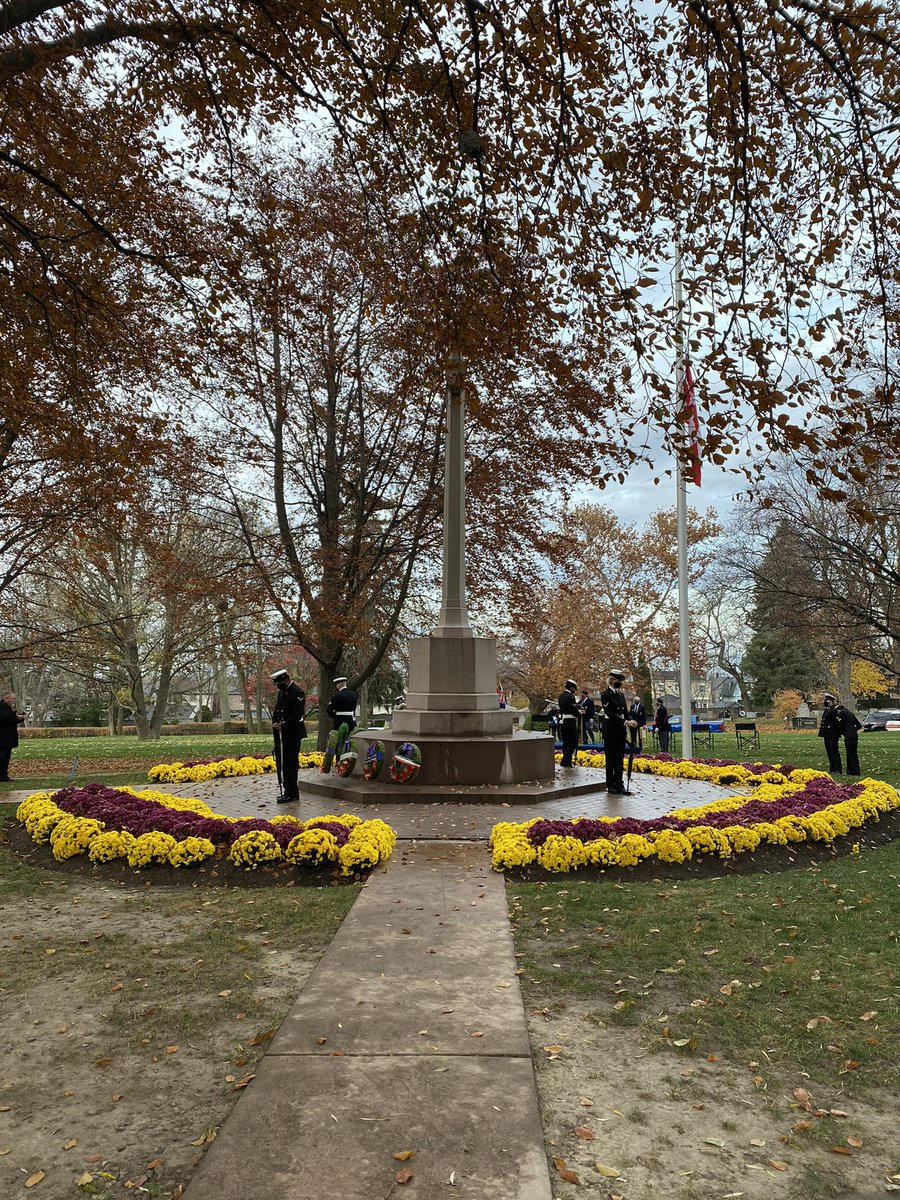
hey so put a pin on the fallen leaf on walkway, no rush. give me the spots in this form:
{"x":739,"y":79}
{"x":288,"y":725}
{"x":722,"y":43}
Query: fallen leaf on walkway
{"x":404,"y":1176}
{"x":585,"y":1103}
{"x":262,"y":1037}
{"x":714,"y":1142}
{"x":173,"y":1049}
{"x":477,"y":1033}
{"x":70,"y":1144}
{"x":33,"y":1179}
{"x":586,"y":1135}
{"x":757,"y":1141}
{"x":403,"y":1155}
{"x":102,"y":1062}
{"x":447,"y":1010}
{"x":5,"y":1150}
{"x":86,"y":1178}
{"x":607,"y":1172}
{"x":855,"y":1142}
{"x":564,"y":1172}
{"x":92,"y":1158}
{"x":157,"y":1162}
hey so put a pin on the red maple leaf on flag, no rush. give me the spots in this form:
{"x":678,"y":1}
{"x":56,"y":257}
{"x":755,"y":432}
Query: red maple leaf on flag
{"x":692,"y":423}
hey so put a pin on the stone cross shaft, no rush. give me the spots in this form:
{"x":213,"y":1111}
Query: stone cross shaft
{"x":454,"y":621}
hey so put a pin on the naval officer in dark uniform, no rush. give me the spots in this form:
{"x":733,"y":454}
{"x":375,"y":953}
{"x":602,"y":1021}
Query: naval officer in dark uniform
{"x":569,"y":721}
{"x":614,"y":707}
{"x":290,"y":730}
{"x":342,"y":705}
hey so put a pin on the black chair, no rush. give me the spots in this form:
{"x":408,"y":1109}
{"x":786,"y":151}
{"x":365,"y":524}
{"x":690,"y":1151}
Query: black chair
{"x":703,"y":736}
{"x":747,"y":735}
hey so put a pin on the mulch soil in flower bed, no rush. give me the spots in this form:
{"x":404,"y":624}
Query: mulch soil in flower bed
{"x":215,"y":872}
{"x":766,"y":860}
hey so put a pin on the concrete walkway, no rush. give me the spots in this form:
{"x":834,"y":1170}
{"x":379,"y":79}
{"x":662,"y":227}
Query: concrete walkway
{"x":410,"y":1035}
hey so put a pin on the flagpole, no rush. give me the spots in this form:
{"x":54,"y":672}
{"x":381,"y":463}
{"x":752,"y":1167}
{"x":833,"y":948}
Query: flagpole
{"x":684,"y":633}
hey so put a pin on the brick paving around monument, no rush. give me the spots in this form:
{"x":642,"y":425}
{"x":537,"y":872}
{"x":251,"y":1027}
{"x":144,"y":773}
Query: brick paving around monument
{"x":256,"y":796}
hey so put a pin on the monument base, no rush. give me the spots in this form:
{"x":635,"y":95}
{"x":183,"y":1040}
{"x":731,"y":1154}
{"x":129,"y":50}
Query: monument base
{"x":467,"y":761}
{"x":353,"y":791}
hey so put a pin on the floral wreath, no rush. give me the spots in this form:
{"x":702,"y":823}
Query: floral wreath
{"x":406,"y":762}
{"x":330,"y":750}
{"x":374,"y":760}
{"x":346,"y":759}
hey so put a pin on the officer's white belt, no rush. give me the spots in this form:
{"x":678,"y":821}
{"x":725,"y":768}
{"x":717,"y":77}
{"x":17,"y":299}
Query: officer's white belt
{"x":346,"y":714}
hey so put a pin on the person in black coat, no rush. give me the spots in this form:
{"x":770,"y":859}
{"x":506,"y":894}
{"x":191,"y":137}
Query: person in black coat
{"x":342,"y":705}
{"x":849,"y":725}
{"x":569,"y":721}
{"x":10,"y":721}
{"x":290,"y":730}
{"x":830,"y":732}
{"x":638,"y":714}
{"x":614,"y":706}
{"x":661,"y":723}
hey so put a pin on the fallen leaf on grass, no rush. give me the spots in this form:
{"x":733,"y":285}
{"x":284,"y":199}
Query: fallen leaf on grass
{"x":779,"y":1166}
{"x":102,"y":1062}
{"x":849,"y":1064}
{"x":404,"y":1155}
{"x":867,"y":1016}
{"x":242,"y":1083}
{"x":70,"y":1144}
{"x":801,"y":1095}
{"x":117,"y":987}
{"x":172,"y":1049}
{"x":227,"y":992}
{"x":86,"y":1178}
{"x":855,"y":1142}
{"x":585,"y":1103}
{"x":757,"y":1141}
{"x":586,"y":1135}
{"x":839,"y":1150}
{"x":157,"y":1162}
{"x":5,"y":1150}
{"x":404,"y":1176}
{"x":606,"y":1172}
{"x":262,"y":1037}
{"x":34,"y":1179}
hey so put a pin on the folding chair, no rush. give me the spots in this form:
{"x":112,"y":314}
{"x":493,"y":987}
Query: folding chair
{"x":747,"y":735}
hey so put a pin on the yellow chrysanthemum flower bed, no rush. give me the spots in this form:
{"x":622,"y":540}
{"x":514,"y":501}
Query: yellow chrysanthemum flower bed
{"x":808,"y":806}
{"x":191,"y":832}
{"x":224,"y":768}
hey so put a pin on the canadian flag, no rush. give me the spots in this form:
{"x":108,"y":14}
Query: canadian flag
{"x":691,"y":423}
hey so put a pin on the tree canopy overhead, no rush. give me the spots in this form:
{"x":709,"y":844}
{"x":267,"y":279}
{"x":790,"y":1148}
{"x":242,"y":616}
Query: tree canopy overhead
{"x":551,"y":156}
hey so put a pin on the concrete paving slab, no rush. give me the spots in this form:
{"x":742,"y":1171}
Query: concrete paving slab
{"x":327,"y":1129}
{"x":422,"y":964}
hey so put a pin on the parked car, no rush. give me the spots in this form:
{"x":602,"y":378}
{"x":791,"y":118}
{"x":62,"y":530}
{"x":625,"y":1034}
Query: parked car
{"x":881,"y":720}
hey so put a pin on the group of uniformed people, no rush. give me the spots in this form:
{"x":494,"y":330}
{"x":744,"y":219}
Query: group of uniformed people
{"x":289,"y":726}
{"x":619,"y":723}
{"x":839,"y":722}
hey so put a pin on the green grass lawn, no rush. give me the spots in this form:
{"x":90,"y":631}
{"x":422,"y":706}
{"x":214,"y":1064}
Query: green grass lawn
{"x":797,"y":971}
{"x":45,"y":762}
